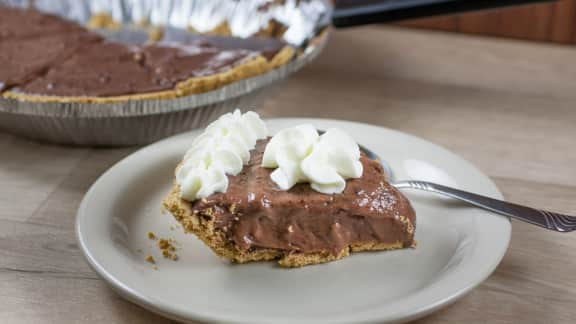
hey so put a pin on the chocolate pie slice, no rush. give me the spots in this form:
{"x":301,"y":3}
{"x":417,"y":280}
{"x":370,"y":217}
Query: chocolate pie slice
{"x":255,"y":220}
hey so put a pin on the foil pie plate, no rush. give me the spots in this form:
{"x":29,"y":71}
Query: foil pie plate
{"x":137,"y":122}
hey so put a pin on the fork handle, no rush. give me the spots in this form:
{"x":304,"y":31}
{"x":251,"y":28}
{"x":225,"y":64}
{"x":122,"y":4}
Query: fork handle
{"x":546,"y":219}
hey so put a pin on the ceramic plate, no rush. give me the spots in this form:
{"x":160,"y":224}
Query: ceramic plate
{"x":458,"y":246}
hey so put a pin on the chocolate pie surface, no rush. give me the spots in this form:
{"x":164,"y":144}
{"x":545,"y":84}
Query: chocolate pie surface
{"x":256,"y":221}
{"x":46,"y":58}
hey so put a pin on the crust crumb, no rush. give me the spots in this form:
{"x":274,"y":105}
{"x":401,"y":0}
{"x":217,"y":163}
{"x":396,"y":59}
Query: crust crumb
{"x":168,"y":249}
{"x":155,"y":34}
{"x":103,"y":20}
{"x":150,"y":259}
{"x":407,"y":224}
{"x":165,"y":244}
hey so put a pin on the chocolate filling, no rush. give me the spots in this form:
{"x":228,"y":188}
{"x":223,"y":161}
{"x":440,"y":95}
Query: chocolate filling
{"x":255,"y":213}
{"x":100,"y":70}
{"x":47,"y":55}
{"x":180,"y":62}
{"x":22,"y":60}
{"x":28,"y":23}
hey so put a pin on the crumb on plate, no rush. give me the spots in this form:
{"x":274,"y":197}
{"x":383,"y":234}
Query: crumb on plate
{"x":168,"y":249}
{"x":150,"y":259}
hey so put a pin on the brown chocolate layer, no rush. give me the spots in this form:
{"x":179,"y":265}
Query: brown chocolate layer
{"x":26,"y":23}
{"x":180,"y":62}
{"x":254,"y":213}
{"x":99,"y":70}
{"x":25,"y":59}
{"x":111,"y":69}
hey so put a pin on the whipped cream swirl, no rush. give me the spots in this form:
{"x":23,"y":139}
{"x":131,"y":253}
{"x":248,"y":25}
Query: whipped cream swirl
{"x":300,"y":154}
{"x":222,"y":149}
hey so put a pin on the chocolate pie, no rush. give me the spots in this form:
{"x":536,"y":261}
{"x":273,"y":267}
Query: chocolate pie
{"x":255,"y":220}
{"x":46,"y":58}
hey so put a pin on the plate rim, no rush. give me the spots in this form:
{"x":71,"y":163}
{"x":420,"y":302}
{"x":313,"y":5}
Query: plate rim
{"x":157,"y":306}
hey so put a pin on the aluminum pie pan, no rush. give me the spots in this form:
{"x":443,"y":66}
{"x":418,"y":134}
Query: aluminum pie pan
{"x":136,"y":122}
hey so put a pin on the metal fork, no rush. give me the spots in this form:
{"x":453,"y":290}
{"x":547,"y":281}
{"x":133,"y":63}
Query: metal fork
{"x":542,"y":218}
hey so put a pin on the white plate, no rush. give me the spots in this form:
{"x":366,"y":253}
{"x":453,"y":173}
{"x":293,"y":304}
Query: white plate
{"x":458,"y":246}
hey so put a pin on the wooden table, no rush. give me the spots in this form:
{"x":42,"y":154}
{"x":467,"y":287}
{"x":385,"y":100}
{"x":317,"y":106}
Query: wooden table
{"x":508,"y":107}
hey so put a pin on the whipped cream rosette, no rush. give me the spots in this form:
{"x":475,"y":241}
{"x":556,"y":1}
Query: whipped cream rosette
{"x":221,"y":150}
{"x":300,"y":154}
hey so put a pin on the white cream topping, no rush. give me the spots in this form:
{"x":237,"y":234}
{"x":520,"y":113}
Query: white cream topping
{"x":222,"y":149}
{"x":300,"y":154}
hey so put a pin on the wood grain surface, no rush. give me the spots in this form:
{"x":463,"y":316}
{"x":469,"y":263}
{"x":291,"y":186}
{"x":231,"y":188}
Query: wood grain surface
{"x":508,"y":107}
{"x":545,"y":22}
